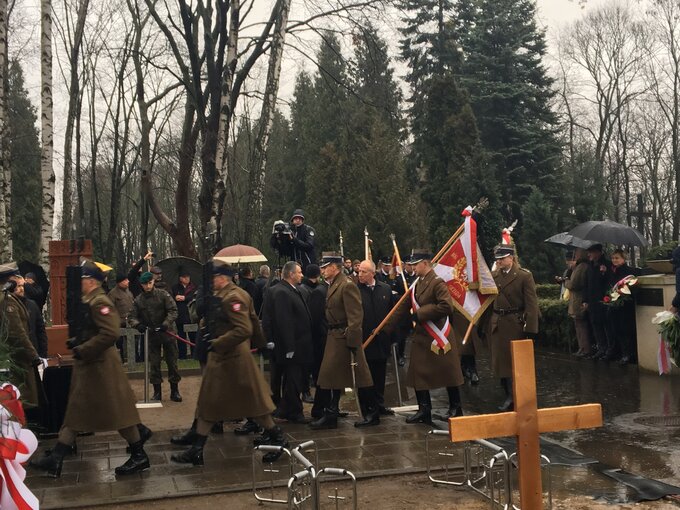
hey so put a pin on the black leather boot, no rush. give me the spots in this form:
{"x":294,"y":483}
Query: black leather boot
{"x":424,"y":413}
{"x":247,"y":428}
{"x":156,"y":392}
{"x":508,"y":405}
{"x":53,"y":461}
{"x":371,"y":418}
{"x":187,"y":438}
{"x":455,"y":408}
{"x":217,"y":428}
{"x":137,"y":462}
{"x":329,"y":420}
{"x":276,"y":437}
{"x":174,"y":393}
{"x":194,"y":455}
{"x":145,"y":434}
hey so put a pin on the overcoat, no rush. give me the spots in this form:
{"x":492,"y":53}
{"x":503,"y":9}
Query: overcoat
{"x":24,"y":353}
{"x":290,"y":324}
{"x":514,"y":315}
{"x":100,"y":398}
{"x":232,"y":385}
{"x":428,"y":370}
{"x":344,"y":315}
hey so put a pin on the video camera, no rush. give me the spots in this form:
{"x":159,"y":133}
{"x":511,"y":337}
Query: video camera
{"x":282,"y":239}
{"x":281,"y":228}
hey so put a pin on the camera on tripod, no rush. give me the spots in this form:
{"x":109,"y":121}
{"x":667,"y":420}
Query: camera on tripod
{"x":282,"y":228}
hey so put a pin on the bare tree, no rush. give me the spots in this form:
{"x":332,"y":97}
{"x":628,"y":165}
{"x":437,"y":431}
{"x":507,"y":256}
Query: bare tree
{"x":5,"y":181}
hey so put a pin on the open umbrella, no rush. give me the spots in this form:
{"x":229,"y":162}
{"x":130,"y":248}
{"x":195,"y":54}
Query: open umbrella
{"x":40,"y":277}
{"x":172,"y":266}
{"x":240,"y":254}
{"x":608,"y":231}
{"x":568,"y":241}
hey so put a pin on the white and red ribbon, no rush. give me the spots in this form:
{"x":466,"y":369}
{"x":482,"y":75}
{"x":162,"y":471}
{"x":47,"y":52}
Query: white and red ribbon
{"x":16,"y":447}
{"x":663,"y":357}
{"x":469,"y":243}
{"x":440,"y":340}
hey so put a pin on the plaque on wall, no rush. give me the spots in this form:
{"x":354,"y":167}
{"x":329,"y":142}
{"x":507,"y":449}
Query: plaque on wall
{"x":649,"y":297}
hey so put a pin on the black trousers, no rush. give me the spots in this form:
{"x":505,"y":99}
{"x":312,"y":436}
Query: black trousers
{"x":597,"y":315}
{"x":276,"y":380}
{"x":294,"y":375}
{"x":378,"y":369}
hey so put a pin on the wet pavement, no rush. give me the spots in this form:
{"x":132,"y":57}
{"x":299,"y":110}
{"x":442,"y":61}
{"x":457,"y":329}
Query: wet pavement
{"x":632,"y":403}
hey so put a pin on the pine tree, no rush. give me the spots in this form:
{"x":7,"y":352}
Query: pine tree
{"x":24,"y":150}
{"x":539,"y":223}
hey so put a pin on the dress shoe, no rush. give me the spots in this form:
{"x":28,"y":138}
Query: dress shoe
{"x":300,"y":418}
{"x":402,"y":361}
{"x":137,"y":462}
{"x":248,"y":427}
{"x":53,"y":461}
{"x":385,"y":411}
{"x":454,"y":412}
{"x":275,"y":437}
{"x":307,"y":398}
{"x":508,"y":405}
{"x":423,"y":415}
{"x":174,"y":393}
{"x":329,"y":420}
{"x":624,"y":361}
{"x":187,"y":438}
{"x":194,"y":455}
{"x":157,"y":393}
{"x":370,"y":420}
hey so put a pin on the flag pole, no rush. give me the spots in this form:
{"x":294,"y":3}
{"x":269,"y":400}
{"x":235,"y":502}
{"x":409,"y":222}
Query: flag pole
{"x":480,"y":205}
{"x":399,"y":263}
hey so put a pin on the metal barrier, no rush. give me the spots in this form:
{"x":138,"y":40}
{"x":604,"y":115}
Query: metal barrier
{"x":486,"y":469}
{"x":304,"y":480}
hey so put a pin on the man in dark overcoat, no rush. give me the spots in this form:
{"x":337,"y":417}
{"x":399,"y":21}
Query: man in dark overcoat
{"x":434,"y":362}
{"x":100,"y":398}
{"x":344,"y":315}
{"x":513,"y":316}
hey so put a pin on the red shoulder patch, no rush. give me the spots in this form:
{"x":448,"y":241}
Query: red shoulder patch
{"x":105,"y":310}
{"x":236,"y":307}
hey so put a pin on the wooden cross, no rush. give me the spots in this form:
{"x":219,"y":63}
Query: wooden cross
{"x":526,"y":422}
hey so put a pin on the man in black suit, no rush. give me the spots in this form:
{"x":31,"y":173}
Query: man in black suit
{"x":377,"y":300}
{"x":291,"y":331}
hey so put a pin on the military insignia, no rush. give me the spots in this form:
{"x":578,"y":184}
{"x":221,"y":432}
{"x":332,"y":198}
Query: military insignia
{"x":10,"y":308}
{"x":311,"y":232}
{"x":105,"y":310}
{"x":236,"y":307}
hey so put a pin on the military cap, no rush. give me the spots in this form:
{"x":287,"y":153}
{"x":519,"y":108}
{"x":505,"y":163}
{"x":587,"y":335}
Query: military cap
{"x":386,"y":260}
{"x":420,"y":254}
{"x":502,"y":251}
{"x":9,"y":269}
{"x":222,"y":268}
{"x":146,"y":277}
{"x":330,"y":257}
{"x":90,"y":269}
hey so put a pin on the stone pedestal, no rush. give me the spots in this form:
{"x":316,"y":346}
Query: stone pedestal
{"x":654,"y":294}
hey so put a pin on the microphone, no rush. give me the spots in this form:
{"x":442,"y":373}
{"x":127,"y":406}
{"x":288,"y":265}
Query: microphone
{"x":9,"y":286}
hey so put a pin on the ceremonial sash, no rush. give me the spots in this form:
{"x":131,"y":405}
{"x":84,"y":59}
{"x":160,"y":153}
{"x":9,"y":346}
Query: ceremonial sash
{"x":440,"y":341}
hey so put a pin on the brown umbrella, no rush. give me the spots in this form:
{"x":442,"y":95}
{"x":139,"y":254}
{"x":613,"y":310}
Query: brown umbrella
{"x":240,"y":254}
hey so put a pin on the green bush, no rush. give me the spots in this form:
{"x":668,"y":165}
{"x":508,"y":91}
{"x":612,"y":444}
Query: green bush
{"x":548,"y":291}
{"x":661,"y":252}
{"x":556,"y":328}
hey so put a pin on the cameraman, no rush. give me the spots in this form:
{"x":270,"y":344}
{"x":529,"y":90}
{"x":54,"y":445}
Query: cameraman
{"x":295,"y":241}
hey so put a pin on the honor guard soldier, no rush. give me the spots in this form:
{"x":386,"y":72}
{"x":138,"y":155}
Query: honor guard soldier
{"x":344,"y":315}
{"x":14,"y":320}
{"x":514,"y":315}
{"x":232,"y":385}
{"x":434,"y":362}
{"x":100,"y":398}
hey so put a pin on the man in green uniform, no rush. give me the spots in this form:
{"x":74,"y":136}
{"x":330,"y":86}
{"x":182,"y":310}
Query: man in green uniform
{"x":232,"y":385}
{"x":156,"y":310}
{"x":100,"y":398}
{"x":514,"y":315}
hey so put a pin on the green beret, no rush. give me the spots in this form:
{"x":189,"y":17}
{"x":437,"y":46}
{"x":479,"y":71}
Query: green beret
{"x":146,"y":277}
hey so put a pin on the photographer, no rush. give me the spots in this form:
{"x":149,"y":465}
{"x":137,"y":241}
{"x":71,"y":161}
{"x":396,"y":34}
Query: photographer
{"x":294,"y":241}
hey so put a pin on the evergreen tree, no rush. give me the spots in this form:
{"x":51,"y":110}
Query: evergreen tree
{"x":510,"y":92}
{"x":540,"y":222}
{"x":24,"y":160}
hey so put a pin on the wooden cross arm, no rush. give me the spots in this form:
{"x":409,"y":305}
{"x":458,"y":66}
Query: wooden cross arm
{"x":551,"y":419}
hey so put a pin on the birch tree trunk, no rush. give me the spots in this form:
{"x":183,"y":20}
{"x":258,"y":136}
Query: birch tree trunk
{"x":46,"y":170}
{"x":5,"y":181}
{"x":253,"y":232}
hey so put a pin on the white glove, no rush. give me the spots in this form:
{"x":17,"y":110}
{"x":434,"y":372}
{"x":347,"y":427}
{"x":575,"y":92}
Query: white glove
{"x":270,"y":346}
{"x":290,"y":354}
{"x":44,"y":363}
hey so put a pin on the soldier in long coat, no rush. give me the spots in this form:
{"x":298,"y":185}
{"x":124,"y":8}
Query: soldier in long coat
{"x":430,"y":368}
{"x":514,"y":315}
{"x":344,"y":314}
{"x":232,"y":385}
{"x":14,"y":318}
{"x":100,"y":398}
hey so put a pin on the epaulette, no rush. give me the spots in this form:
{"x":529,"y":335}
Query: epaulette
{"x":525,"y":270}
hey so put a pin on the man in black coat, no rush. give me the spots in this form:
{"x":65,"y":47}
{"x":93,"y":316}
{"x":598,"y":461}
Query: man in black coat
{"x":261,"y":284}
{"x":377,"y":300}
{"x":597,"y":284}
{"x":33,"y":291}
{"x":303,"y":240}
{"x":290,"y":328}
{"x":183,"y":293}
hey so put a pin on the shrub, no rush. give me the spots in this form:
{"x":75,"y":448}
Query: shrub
{"x":556,"y":329}
{"x":548,"y":291}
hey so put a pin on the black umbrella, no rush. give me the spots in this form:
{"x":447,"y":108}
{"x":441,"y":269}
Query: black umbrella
{"x":40,"y":276}
{"x":568,"y":241}
{"x":609,"y":232}
{"x":172,"y":267}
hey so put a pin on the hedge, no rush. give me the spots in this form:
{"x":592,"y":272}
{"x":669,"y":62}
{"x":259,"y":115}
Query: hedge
{"x":556,"y":328}
{"x":548,"y":291}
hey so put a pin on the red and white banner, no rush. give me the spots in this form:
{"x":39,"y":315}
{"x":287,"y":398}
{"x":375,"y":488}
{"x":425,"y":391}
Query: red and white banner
{"x":663,"y":357}
{"x":440,"y":340}
{"x":16,"y":447}
{"x":466,"y":274}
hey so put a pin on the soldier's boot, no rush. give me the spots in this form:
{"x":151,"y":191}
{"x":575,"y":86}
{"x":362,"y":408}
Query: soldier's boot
{"x":138,"y":461}
{"x":156,"y":392}
{"x":455,"y":408}
{"x":193,"y":455}
{"x":53,"y":461}
{"x":187,"y":438}
{"x":329,"y":420}
{"x":247,"y":428}
{"x":275,"y":437}
{"x":371,"y":418}
{"x":145,"y":434}
{"x":508,"y":405}
{"x":424,"y":413}
{"x":174,"y":393}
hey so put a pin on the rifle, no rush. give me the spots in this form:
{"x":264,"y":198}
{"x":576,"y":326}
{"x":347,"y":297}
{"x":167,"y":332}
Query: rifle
{"x":76,"y":311}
